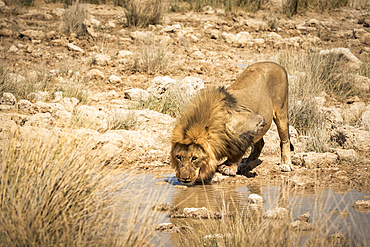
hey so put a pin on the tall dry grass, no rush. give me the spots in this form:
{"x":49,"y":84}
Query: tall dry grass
{"x":75,"y":17}
{"x":311,"y":75}
{"x":55,"y":190}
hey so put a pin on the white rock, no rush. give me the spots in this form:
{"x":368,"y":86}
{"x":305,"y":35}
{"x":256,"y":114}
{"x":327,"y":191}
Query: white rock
{"x":75,"y":48}
{"x":13,"y":49}
{"x":8,"y":99}
{"x":254,"y":198}
{"x":364,"y":121}
{"x":344,"y":53}
{"x":159,"y":85}
{"x":58,"y":95}
{"x":95,"y":74}
{"x":124,"y":54}
{"x":192,"y":84}
{"x":102,"y":59}
{"x":69,"y":103}
{"x":136,"y":94}
{"x":114,"y":79}
{"x":276,"y":213}
{"x":24,"y":105}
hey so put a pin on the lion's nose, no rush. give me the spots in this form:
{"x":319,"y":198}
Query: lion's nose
{"x":186,"y":180}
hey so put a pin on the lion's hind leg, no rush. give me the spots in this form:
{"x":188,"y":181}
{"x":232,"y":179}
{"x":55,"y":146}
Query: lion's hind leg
{"x":282,"y":124}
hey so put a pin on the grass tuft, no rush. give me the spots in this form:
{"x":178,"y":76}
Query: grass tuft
{"x":74,"y":19}
{"x":171,"y":103}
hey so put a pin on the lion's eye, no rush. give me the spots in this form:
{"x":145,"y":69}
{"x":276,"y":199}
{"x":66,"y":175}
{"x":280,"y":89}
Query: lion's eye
{"x":194,"y":158}
{"x":178,"y":157}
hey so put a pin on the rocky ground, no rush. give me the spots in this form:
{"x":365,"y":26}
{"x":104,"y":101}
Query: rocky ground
{"x":207,"y":48}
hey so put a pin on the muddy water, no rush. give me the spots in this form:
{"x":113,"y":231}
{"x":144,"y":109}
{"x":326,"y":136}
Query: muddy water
{"x":329,"y":211}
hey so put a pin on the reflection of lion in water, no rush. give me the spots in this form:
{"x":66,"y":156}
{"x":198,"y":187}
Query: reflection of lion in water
{"x":223,"y":123}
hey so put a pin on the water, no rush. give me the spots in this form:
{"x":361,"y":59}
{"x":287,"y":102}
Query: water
{"x":218,"y":196}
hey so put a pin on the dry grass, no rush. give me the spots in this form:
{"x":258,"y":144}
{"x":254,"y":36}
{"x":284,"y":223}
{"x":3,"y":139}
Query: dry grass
{"x":74,"y":19}
{"x":152,"y":55}
{"x":141,"y":13}
{"x":21,"y":83}
{"x":170,"y":103}
{"x":56,"y":191}
{"x":311,"y":75}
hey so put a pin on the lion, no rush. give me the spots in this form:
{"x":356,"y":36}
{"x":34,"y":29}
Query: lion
{"x":221,"y":123}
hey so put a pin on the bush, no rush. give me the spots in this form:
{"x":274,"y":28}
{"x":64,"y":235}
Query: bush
{"x":152,"y":55}
{"x":141,"y":13}
{"x":74,"y":19}
{"x":170,"y":103}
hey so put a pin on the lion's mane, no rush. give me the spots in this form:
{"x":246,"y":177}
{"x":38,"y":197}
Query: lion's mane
{"x":204,"y":122}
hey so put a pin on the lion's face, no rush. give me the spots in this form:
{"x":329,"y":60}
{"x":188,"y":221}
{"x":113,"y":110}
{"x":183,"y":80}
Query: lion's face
{"x":188,"y":161}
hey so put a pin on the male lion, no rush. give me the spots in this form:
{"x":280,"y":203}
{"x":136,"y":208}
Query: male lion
{"x":223,"y":123}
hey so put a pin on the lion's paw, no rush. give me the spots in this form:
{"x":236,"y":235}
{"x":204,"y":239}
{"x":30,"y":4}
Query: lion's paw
{"x":227,"y":170}
{"x":286,"y":167}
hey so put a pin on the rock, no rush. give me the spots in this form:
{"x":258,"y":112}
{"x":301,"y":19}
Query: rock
{"x":8,"y":99}
{"x":276,"y":213}
{"x":75,"y":48}
{"x":5,"y":32}
{"x":2,"y":4}
{"x":243,"y":38}
{"x":124,"y":54}
{"x":314,"y":160}
{"x":169,"y":227}
{"x":215,"y":34}
{"x":332,"y":116}
{"x":353,"y":113}
{"x":24,"y":105}
{"x":351,"y":138}
{"x":362,"y":205}
{"x":345,"y":55}
{"x":346,"y":154}
{"x":102,"y":59}
{"x":13,"y":49}
{"x":165,"y":207}
{"x":139,"y":35}
{"x":228,"y":37}
{"x":58,"y":96}
{"x":34,"y":35}
{"x":34,"y":97}
{"x":136,"y":94}
{"x":362,"y":35}
{"x":304,"y":217}
{"x":69,"y":104}
{"x":115,"y":79}
{"x":172,"y":29}
{"x":255,"y":199}
{"x":364,"y":121}
{"x":159,"y":85}
{"x":313,"y":23}
{"x":95,"y":74}
{"x":301,"y":226}
{"x":273,"y":37}
{"x":197,"y":213}
{"x":361,"y":82}
{"x":192,"y":84}
{"x":41,"y":120}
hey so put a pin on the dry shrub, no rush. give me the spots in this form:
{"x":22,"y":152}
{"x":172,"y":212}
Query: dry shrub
{"x":170,"y":103}
{"x":75,"y":17}
{"x":56,"y":190}
{"x":141,"y":13}
{"x":292,"y":7}
{"x":152,"y":55}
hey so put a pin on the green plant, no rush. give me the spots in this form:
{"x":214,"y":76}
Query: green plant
{"x":74,"y":19}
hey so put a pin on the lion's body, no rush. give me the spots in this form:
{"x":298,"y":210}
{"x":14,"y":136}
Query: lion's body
{"x":226,"y":122}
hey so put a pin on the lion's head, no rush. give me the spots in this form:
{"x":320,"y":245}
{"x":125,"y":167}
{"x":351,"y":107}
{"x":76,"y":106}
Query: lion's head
{"x":192,"y":163}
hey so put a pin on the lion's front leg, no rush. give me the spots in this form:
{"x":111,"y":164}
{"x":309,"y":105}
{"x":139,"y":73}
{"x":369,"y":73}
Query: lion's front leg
{"x":229,"y":168}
